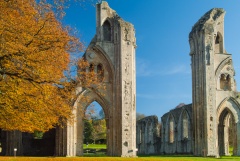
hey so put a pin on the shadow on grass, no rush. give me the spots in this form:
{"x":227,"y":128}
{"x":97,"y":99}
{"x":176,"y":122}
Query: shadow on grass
{"x":90,"y":152}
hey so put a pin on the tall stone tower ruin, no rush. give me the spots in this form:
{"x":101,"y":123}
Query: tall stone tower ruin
{"x":112,"y":50}
{"x":215,"y":100}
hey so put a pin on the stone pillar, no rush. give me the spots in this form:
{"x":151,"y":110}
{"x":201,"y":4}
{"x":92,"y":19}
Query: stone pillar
{"x":128,"y":90}
{"x":61,"y":141}
{"x":226,"y":139}
{"x":79,"y":137}
{"x":71,"y":141}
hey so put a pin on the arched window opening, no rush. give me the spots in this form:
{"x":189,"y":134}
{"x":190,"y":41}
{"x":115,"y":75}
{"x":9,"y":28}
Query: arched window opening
{"x":171,"y":129}
{"x":95,"y":129}
{"x":185,"y":125}
{"x":100,"y":72}
{"x":225,"y":82}
{"x":106,"y":31}
{"x":218,"y":44}
{"x":217,"y":39}
{"x":140,"y":136}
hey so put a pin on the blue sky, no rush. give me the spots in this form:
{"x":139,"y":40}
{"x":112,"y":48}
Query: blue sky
{"x":162,"y":28}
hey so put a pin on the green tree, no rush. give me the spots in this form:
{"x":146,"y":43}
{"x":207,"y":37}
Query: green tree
{"x":99,"y":130}
{"x":35,"y":52}
{"x":88,"y":131}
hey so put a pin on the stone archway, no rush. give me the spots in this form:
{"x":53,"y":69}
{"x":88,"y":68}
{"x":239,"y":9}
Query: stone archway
{"x":91,"y":96}
{"x":227,"y":135}
{"x":113,"y":52}
{"x":228,"y":114}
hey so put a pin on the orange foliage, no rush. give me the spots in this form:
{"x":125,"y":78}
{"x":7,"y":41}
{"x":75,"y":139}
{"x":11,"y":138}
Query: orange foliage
{"x":34,"y":53}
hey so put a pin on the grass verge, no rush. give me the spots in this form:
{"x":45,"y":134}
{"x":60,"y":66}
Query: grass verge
{"x":149,"y":158}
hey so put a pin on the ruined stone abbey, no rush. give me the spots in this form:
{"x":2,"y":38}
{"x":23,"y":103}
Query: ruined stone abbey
{"x":210,"y":125}
{"x":207,"y":127}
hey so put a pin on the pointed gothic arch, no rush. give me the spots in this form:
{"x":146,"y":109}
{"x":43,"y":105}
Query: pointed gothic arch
{"x":185,"y":124}
{"x":233,"y":106}
{"x":184,"y":132}
{"x":85,"y":98}
{"x":227,"y":133}
{"x":222,"y":65}
{"x":228,"y":114}
{"x":105,"y":60}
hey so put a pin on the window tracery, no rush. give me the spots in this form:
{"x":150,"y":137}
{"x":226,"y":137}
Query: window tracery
{"x":225,"y":82}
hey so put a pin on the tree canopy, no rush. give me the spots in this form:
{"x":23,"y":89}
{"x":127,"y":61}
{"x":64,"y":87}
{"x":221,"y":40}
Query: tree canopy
{"x":35,"y":95}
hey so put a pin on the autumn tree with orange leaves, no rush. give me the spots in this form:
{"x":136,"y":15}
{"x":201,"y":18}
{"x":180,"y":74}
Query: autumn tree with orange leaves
{"x":35,"y":48}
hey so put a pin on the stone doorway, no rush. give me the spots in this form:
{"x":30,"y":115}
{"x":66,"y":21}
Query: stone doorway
{"x":227,"y":138}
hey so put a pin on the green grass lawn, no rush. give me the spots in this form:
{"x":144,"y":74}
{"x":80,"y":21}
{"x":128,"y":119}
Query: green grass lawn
{"x":149,"y":158}
{"x":98,"y":156}
{"x":95,"y":146}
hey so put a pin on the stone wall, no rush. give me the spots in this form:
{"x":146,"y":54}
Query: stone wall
{"x":177,"y":140}
{"x":148,"y":135}
{"x":174,"y":136}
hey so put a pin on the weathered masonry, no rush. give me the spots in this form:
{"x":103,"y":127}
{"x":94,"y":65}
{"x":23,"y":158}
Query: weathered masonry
{"x":176,"y":131}
{"x":215,"y":99}
{"x":210,"y":125}
{"x":148,"y":135}
{"x":111,"y":51}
